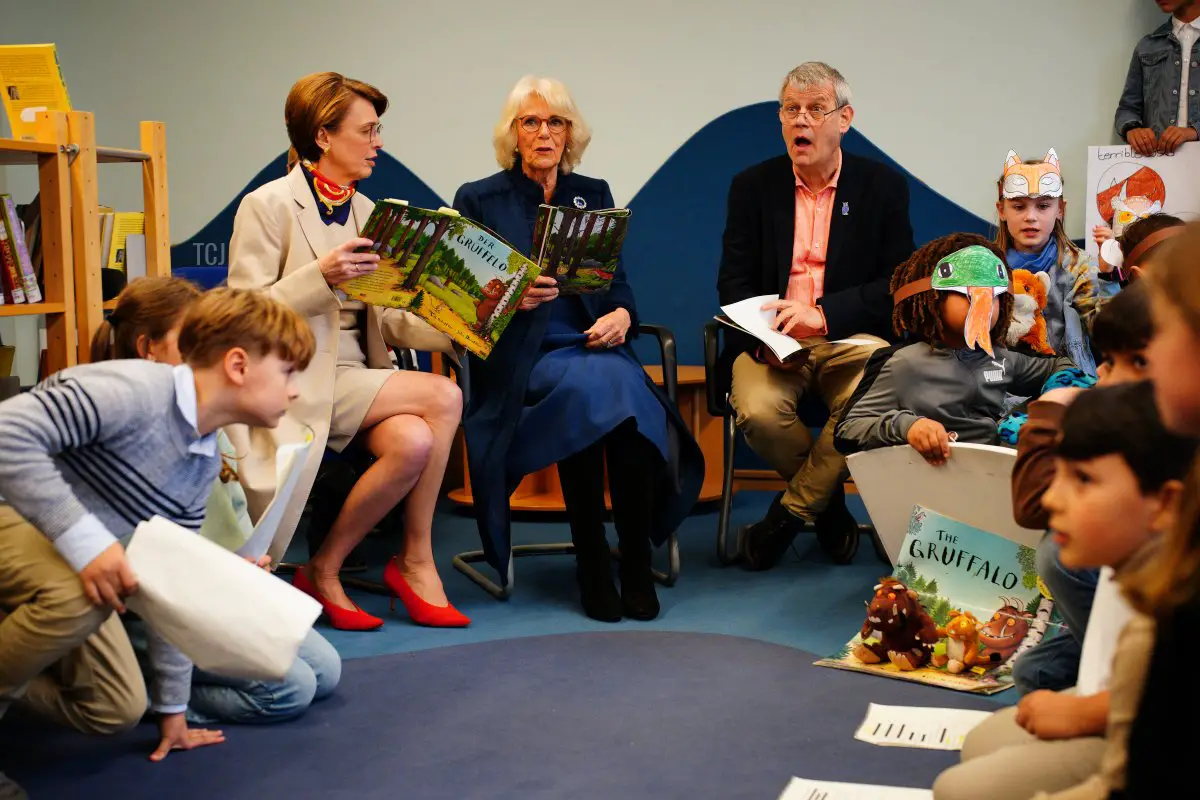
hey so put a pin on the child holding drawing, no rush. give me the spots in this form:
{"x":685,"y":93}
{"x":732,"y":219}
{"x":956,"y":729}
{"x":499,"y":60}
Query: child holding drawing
{"x":91,"y":453}
{"x":1118,"y":478}
{"x":951,"y":374}
{"x":145,"y":324}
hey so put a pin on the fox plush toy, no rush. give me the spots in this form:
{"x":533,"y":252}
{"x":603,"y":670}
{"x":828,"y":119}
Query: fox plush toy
{"x":1029,"y":302}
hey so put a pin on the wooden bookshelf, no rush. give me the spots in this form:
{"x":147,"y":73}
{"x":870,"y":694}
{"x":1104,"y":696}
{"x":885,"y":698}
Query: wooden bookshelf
{"x":49,"y":153}
{"x":67,"y":156}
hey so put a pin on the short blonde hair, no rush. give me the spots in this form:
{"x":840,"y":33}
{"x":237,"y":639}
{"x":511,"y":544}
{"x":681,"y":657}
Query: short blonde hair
{"x":556,"y":95}
{"x":225,"y":318}
{"x":813,"y":75}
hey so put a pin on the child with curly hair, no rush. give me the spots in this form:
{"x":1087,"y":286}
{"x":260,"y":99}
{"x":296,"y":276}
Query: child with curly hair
{"x":947,"y":381}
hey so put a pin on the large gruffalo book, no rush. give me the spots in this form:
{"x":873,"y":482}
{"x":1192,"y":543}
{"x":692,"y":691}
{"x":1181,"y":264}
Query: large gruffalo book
{"x":960,"y":608}
{"x":452,"y":272}
{"x":580,"y":249}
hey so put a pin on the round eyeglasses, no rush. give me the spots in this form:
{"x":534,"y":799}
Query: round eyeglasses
{"x":816,"y":115}
{"x":533,"y":124}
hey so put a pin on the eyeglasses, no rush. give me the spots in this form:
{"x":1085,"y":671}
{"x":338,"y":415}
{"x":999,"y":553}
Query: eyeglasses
{"x":817,"y":115}
{"x":533,"y":124}
{"x":370,"y":132}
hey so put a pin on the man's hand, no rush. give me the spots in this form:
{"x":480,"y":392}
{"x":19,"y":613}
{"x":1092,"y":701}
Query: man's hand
{"x":543,"y":290}
{"x":108,"y":578}
{"x":930,"y":439}
{"x":176,"y":735}
{"x":609,"y":330}
{"x":1142,"y":141}
{"x":1174,"y":136}
{"x":796,"y":319}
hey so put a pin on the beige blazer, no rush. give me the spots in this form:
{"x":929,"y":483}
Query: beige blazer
{"x":278,"y":236}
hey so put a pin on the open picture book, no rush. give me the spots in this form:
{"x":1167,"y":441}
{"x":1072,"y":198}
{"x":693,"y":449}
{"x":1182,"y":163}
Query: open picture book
{"x":580,"y":249}
{"x":452,"y":272}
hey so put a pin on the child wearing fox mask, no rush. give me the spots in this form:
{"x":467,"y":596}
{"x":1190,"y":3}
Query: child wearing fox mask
{"x":948,"y":380}
{"x":1031,"y":234}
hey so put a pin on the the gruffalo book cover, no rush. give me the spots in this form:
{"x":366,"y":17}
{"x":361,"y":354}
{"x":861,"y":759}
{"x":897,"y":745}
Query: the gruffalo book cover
{"x":960,"y":607}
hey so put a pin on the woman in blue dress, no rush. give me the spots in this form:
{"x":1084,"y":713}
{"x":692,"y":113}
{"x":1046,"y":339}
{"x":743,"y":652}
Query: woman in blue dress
{"x":562,"y":386}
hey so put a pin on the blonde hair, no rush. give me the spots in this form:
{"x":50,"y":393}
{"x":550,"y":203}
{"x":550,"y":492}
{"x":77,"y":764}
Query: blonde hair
{"x":556,"y":95}
{"x":321,"y":100}
{"x":225,"y":318}
{"x":147,"y":307}
{"x":1172,"y":578}
{"x":1066,"y":248}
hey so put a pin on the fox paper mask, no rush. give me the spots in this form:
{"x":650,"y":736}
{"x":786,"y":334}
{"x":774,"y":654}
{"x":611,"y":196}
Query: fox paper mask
{"x":976,"y":272}
{"x":1031,"y":180}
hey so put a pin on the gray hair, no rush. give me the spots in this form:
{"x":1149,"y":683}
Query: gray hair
{"x":557,"y":96}
{"x":815,"y":75}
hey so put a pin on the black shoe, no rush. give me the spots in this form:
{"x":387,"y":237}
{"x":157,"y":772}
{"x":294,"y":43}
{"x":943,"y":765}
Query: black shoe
{"x":764,"y":543}
{"x":9,"y":790}
{"x":639,"y":600}
{"x":837,"y":530}
{"x":597,"y":592}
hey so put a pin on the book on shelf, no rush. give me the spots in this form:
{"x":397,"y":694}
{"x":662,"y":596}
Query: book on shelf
{"x":123,"y":223}
{"x":14,"y":291}
{"x":457,"y":275}
{"x":30,"y":81}
{"x":580,"y":249}
{"x":11,"y":221}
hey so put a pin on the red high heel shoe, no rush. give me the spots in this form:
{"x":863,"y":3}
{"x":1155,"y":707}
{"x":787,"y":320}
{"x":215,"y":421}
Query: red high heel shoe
{"x":422,"y":613}
{"x":344,"y":619}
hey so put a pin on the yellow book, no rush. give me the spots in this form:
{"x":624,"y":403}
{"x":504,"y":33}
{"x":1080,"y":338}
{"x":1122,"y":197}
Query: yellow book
{"x":30,"y":81}
{"x":124,"y":223}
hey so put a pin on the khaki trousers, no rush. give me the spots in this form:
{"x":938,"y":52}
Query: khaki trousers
{"x":765,"y":400}
{"x":60,"y":656}
{"x":1001,"y":761}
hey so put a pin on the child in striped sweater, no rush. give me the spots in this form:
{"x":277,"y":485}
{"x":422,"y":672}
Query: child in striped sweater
{"x":88,"y":455}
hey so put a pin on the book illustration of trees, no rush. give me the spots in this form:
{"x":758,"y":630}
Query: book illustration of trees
{"x":560,"y":245}
{"x":410,"y":232}
{"x":417,"y":301}
{"x":581,"y":245}
{"x":454,"y":225}
{"x":1041,"y":606}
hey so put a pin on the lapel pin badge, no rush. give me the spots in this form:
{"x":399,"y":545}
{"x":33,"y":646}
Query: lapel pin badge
{"x":845,"y":209}
{"x":580,"y":202}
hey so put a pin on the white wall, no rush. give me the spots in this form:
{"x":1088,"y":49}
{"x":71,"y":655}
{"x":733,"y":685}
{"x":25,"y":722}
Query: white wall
{"x":945,"y":88}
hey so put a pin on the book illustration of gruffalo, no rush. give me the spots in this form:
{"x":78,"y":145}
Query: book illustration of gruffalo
{"x":960,"y":608}
{"x":580,"y":249}
{"x":454,"y":273}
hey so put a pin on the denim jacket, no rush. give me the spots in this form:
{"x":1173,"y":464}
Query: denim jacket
{"x":1151,"y":95}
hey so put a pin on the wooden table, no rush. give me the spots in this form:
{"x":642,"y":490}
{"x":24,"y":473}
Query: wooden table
{"x":541,"y":491}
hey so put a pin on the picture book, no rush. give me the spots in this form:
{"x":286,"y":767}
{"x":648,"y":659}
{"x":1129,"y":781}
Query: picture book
{"x":30,"y":81}
{"x":580,"y":249}
{"x":455,"y":274}
{"x":961,"y":606}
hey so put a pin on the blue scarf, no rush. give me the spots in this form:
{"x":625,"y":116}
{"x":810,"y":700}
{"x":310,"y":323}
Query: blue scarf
{"x":1035,"y":262}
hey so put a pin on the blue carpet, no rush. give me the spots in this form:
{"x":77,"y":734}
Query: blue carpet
{"x":601,"y":715}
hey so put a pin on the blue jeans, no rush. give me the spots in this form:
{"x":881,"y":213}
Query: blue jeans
{"x":314,"y":676}
{"x":1054,"y":663}
{"x":217,"y":699}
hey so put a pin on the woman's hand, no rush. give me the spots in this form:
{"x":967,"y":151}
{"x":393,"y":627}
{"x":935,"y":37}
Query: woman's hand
{"x":1101,"y":234}
{"x":262,"y":562}
{"x":177,"y":736}
{"x":341,"y":263}
{"x":609,"y":330}
{"x":929,"y":438}
{"x":1143,"y":141}
{"x":543,"y":290}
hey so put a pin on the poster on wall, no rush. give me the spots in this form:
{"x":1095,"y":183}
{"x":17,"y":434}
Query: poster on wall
{"x":1123,"y":186}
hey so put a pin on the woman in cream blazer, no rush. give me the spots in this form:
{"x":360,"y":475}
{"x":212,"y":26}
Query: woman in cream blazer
{"x":296,"y":238}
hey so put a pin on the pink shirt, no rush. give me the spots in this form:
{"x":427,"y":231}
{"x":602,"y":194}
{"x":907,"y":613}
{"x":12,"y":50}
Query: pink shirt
{"x":806,"y":282}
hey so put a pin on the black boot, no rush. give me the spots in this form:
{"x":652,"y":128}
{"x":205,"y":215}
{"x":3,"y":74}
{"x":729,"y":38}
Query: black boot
{"x":763,"y":543}
{"x":593,"y":570}
{"x":837,"y":530}
{"x":639,"y":600}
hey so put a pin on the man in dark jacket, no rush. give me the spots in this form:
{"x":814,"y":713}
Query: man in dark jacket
{"x":819,"y":231}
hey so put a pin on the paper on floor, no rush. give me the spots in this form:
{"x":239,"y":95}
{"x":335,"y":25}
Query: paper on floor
{"x":227,"y":615}
{"x":805,"y":789}
{"x":915,"y":726}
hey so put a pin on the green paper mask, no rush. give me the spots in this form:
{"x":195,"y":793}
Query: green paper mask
{"x":976,"y":272}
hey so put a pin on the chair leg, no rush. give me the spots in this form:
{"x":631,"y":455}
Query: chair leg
{"x":723,"y":555}
{"x":463,"y":561}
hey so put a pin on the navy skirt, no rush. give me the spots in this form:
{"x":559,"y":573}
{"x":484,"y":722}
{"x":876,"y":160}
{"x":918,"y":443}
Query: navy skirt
{"x":575,"y":396}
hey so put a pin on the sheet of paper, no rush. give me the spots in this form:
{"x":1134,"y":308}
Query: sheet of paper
{"x":751,"y":317}
{"x":227,"y":615}
{"x":1109,"y":616}
{"x":289,"y":463}
{"x":915,"y":726}
{"x":805,"y":789}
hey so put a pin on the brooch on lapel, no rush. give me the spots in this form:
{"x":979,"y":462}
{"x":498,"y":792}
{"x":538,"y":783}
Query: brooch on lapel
{"x":845,"y":209}
{"x":580,"y":202}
